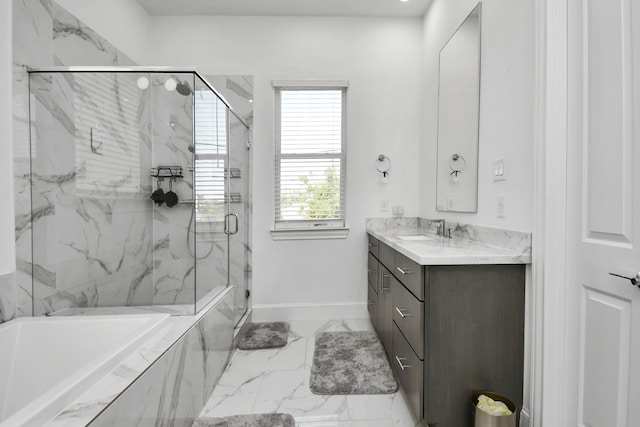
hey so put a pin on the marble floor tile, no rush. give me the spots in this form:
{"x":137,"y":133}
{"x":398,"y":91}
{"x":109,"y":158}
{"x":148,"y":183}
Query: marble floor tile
{"x":292,"y":356}
{"x":277,"y":380}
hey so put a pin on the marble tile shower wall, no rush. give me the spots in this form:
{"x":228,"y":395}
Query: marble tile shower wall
{"x":147,"y":252}
{"x":90,"y":162}
{"x":45,"y":34}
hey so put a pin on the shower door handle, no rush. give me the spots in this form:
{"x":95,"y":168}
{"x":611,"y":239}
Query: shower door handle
{"x":226,"y":224}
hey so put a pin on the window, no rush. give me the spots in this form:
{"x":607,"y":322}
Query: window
{"x":211,"y":152}
{"x":310,"y":157}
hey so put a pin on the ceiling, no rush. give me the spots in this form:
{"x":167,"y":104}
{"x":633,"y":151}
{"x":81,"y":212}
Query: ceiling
{"x":371,"y":8}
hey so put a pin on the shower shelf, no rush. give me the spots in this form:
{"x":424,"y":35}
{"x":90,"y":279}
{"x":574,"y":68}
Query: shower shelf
{"x":230,"y":198}
{"x":233,"y":198}
{"x":232,"y":173}
{"x":162,"y":172}
{"x":228,"y":173}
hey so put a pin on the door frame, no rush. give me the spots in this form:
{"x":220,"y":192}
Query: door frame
{"x":547,"y":385}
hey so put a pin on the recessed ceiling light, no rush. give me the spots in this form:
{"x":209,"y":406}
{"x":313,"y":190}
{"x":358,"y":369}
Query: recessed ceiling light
{"x":142,"y":82}
{"x":404,"y":1}
{"x":170,"y":84}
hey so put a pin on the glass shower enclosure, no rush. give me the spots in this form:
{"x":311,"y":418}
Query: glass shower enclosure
{"x":139,"y":191}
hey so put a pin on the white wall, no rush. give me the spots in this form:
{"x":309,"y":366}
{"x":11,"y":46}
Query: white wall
{"x":506,"y":108}
{"x":381,"y":60}
{"x":123,"y":22}
{"x":7,"y":246}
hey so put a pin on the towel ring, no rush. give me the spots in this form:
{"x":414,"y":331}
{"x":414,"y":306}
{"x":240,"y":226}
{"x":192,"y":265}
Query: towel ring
{"x":383,"y":165}
{"x":457,"y":163}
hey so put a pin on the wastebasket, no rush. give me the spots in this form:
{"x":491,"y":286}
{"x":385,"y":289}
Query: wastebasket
{"x":484,"y":419}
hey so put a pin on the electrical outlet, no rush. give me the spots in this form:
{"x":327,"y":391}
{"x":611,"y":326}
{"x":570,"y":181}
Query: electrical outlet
{"x":500,"y":170}
{"x":500,"y":206}
{"x":397,"y":210}
{"x":384,"y":206}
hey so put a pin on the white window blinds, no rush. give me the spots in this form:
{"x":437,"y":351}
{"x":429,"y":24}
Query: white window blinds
{"x":211,"y":152}
{"x":310,"y":157}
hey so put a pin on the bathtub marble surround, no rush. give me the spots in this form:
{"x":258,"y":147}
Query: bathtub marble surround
{"x":277,"y":380}
{"x":469,"y":244}
{"x":165,"y":382}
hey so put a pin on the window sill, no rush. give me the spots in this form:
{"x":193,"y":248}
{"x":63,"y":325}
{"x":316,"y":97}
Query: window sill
{"x":309,"y":234}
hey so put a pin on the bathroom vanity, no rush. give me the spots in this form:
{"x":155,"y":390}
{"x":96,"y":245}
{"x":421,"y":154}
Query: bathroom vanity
{"x":450,"y":315}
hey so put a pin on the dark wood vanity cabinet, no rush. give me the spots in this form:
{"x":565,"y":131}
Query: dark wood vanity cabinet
{"x":450,"y":330}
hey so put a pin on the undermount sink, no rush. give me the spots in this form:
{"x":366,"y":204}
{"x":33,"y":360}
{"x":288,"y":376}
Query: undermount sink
{"x":414,"y":237}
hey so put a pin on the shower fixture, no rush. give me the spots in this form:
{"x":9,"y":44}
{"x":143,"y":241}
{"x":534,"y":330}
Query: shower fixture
{"x":183,"y":88}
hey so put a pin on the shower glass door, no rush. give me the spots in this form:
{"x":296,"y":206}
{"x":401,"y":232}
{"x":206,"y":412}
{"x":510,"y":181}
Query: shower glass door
{"x":211,"y":193}
{"x":239,"y":215}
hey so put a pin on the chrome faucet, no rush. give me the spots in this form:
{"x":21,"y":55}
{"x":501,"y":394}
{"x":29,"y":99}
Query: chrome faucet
{"x":441,"y":227}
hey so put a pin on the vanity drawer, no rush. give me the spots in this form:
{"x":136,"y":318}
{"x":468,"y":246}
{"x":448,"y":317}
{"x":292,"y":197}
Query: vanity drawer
{"x":385,"y":255}
{"x":409,"y":371}
{"x":373,"y":245}
{"x":408,"y":314}
{"x":372,"y":272}
{"x":372,"y":305}
{"x":410,"y":274}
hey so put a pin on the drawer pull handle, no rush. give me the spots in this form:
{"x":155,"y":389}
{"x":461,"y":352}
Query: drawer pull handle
{"x":403,"y":270}
{"x":402,"y":366}
{"x":385,"y":282}
{"x":371,"y":244}
{"x":369,"y":302}
{"x":371,"y":271}
{"x":403,"y":312}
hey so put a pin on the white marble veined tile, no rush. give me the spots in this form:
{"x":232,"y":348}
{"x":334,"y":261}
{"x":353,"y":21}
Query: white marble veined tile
{"x":367,"y":423}
{"x":290,"y":357}
{"x":289,"y":392}
{"x":255,"y":388}
{"x":234,"y":394}
{"x":7,"y":296}
{"x":392,"y":407}
{"x":310,"y":328}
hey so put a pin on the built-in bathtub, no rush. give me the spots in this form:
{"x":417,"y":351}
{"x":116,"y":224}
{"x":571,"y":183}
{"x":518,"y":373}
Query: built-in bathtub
{"x":47,"y":362}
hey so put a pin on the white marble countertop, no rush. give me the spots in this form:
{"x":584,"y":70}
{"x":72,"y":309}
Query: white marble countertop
{"x":446,"y":251}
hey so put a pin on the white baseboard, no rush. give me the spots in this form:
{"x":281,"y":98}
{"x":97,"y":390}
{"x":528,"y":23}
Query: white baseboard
{"x":288,"y":312}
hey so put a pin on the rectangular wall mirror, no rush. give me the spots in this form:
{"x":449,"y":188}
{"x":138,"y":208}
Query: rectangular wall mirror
{"x":458,"y":118}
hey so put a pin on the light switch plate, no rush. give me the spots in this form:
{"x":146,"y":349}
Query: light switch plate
{"x":499,"y":170}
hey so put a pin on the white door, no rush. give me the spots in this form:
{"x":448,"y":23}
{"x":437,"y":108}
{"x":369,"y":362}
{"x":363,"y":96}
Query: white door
{"x":602,"y":354}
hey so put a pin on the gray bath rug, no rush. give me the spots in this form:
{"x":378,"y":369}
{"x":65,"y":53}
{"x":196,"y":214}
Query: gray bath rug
{"x":265,"y":335}
{"x":350,"y":363}
{"x":253,"y":420}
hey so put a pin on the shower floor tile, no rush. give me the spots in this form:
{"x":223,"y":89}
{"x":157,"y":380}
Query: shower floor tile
{"x":277,"y":380}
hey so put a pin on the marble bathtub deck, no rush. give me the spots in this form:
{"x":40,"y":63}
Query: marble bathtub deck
{"x":277,"y":380}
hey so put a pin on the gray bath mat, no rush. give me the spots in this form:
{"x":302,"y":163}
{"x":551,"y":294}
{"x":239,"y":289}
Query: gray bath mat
{"x":265,"y":335}
{"x":350,"y":363}
{"x":253,"y":420}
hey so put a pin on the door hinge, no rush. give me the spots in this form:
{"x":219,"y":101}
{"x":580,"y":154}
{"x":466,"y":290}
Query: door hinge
{"x":247,"y":294}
